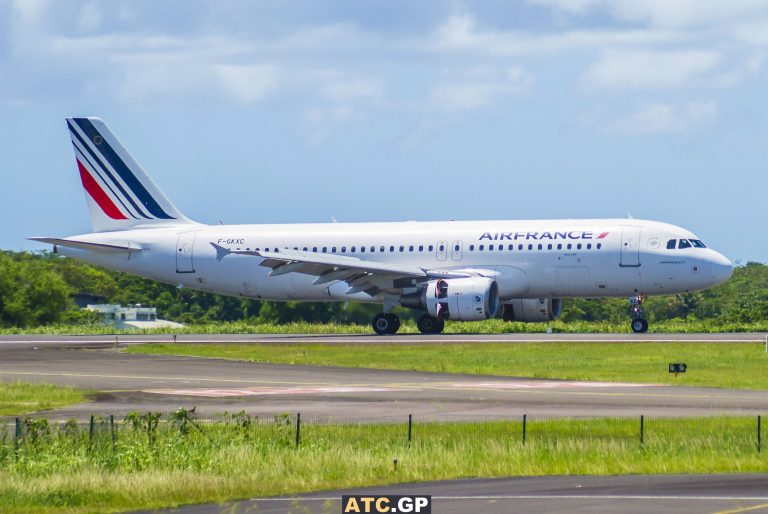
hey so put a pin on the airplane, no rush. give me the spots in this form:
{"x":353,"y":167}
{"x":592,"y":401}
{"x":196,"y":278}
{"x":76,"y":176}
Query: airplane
{"x":450,"y":270}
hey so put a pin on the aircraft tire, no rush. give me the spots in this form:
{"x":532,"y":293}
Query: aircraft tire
{"x":429,"y":325}
{"x":639,"y":326}
{"x":395,"y":323}
{"x":385,"y":324}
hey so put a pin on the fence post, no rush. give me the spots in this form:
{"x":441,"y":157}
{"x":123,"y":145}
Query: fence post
{"x":90,"y":433}
{"x":16,"y":437}
{"x":525,"y":420}
{"x":642,"y":429}
{"x":410,"y":428}
{"x":759,"y":435}
{"x":112,"y":430}
{"x":298,"y":428}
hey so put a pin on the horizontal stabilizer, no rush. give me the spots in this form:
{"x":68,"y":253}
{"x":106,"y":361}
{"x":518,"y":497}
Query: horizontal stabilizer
{"x":85,"y":245}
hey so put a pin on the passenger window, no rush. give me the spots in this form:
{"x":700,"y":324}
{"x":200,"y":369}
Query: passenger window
{"x":599,"y":245}
{"x":402,"y":248}
{"x":684,"y":244}
{"x":373,"y":249}
{"x":333,"y":249}
{"x":589,"y":246}
{"x":362,"y":249}
{"x":471,"y":248}
{"x":381,"y":249}
{"x":481,"y":247}
{"x":305,"y":249}
{"x":431,"y":248}
{"x":343,"y":249}
{"x":541,"y":246}
{"x":410,"y":248}
{"x":490,"y":247}
{"x":578,"y":246}
{"x":519,"y":247}
{"x":511,"y":247}
{"x":671,"y":244}
{"x":549,"y":246}
{"x":569,"y":246}
{"x":391,"y":248}
{"x":421,"y":248}
{"x":559,"y":246}
{"x":530,"y":247}
{"x":442,"y":248}
{"x":325,"y":249}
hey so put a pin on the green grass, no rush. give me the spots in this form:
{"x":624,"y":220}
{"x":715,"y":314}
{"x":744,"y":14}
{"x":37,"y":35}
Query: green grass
{"x":18,"y":398}
{"x":493,"y":326}
{"x":735,"y":365}
{"x":58,"y":469}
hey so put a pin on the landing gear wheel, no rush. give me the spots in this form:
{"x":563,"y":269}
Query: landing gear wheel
{"x":639,"y":326}
{"x":384,"y":324}
{"x":395,"y":321}
{"x":429,"y":325}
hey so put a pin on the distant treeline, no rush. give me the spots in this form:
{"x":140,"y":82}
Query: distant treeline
{"x":37,"y":289}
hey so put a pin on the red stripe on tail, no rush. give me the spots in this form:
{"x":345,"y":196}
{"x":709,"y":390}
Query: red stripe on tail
{"x":98,"y":194}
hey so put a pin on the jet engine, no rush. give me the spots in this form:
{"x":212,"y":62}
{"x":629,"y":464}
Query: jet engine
{"x":457,"y":299}
{"x":532,"y":310}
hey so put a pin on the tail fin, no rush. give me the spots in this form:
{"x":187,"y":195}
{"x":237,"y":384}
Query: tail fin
{"x":119,"y":193}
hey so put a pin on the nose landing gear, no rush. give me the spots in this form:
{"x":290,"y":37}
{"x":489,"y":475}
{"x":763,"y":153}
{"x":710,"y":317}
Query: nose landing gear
{"x":638,"y":324}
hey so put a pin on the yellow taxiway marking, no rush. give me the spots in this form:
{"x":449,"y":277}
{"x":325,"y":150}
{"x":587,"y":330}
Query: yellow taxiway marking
{"x":743,"y":509}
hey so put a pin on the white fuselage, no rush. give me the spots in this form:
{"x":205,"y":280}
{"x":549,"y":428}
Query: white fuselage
{"x":528,"y":259}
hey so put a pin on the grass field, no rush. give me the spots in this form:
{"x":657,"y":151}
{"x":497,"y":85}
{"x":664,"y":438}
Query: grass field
{"x":493,"y":326}
{"x":18,"y":398}
{"x":60,"y":469}
{"x":736,"y":365}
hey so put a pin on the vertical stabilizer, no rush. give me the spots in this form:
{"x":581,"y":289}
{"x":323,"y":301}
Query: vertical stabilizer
{"x":119,"y":193}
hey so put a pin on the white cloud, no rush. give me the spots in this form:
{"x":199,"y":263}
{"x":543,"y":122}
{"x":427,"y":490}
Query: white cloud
{"x":247,"y":83}
{"x":650,"y":70}
{"x":89,"y":18}
{"x":479,"y":87}
{"x":661,"y":118}
{"x":351,"y":89}
{"x":666,"y":13}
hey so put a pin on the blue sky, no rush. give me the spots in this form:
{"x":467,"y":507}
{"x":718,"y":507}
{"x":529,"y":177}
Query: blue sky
{"x":303,"y":111}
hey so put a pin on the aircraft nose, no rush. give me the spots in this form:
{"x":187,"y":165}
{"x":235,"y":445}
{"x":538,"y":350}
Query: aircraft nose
{"x":721,"y":267}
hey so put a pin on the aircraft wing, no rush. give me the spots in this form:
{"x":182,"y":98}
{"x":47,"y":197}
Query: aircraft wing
{"x":361,"y":275}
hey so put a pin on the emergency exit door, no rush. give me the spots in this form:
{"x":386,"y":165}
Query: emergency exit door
{"x":185,"y":245}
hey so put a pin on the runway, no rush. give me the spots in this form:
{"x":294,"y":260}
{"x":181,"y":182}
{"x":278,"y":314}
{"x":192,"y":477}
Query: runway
{"x":128,"y":382}
{"x":23,"y":341}
{"x":632,"y":494}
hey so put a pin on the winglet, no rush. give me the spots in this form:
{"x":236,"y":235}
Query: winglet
{"x":221,"y":252}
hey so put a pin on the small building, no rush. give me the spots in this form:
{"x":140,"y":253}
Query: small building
{"x":132,"y":316}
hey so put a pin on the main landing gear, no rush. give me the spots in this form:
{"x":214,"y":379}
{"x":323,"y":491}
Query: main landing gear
{"x":638,"y":324}
{"x":386,"y":323}
{"x":429,"y":325}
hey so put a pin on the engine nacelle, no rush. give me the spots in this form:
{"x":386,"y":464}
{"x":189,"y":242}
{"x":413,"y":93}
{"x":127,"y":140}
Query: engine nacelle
{"x":532,"y":310}
{"x":461,"y":299}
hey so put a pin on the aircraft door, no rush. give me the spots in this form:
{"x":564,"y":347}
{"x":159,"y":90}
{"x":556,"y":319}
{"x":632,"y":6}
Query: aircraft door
{"x":630,"y":248}
{"x":442,"y":250}
{"x":457,"y":250}
{"x":184,"y":246}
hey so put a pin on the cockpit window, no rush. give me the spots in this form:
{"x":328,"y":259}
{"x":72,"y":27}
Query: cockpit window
{"x":671,"y":244}
{"x":684,"y":244}
{"x":697,"y":243}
